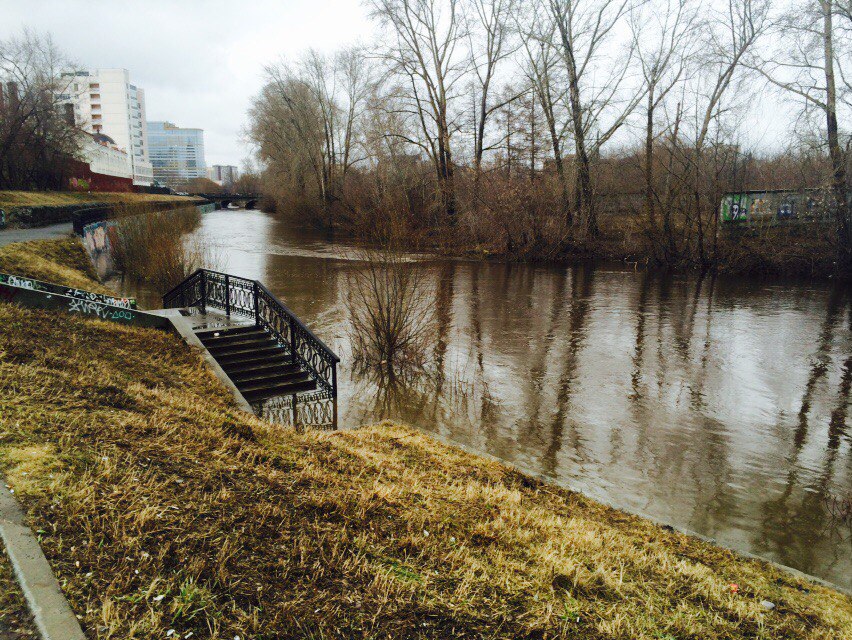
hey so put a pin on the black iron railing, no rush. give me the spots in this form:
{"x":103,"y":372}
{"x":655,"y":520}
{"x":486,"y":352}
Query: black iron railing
{"x":249,"y":298}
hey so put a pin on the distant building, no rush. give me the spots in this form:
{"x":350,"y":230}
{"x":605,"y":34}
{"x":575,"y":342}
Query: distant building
{"x":103,"y":101}
{"x":104,"y":167}
{"x":176,"y":153}
{"x":223,"y":174}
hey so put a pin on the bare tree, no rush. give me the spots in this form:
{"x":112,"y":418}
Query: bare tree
{"x":541,"y":70}
{"x":663,"y":39}
{"x":424,"y":52}
{"x":489,"y":47}
{"x":305,"y":123}
{"x":37,"y":136}
{"x":809,"y":71}
{"x":728,"y":35}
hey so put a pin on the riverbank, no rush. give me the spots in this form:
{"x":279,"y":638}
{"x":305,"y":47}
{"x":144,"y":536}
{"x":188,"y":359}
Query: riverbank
{"x":164,"y":507}
{"x":12,"y":199}
{"x":28,"y":209}
{"x":806,"y":250}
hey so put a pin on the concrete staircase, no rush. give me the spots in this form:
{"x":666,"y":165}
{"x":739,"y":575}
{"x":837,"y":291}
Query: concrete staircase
{"x":256,"y":363}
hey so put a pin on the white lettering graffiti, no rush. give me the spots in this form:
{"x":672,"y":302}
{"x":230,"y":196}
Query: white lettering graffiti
{"x":100,"y":310}
{"x":125,"y":303}
{"x":15,"y":281}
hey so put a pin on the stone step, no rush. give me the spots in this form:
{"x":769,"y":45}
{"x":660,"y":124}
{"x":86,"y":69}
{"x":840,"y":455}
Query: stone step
{"x":241,"y":346}
{"x":209,"y":333}
{"x":250,"y":356}
{"x":270,"y":391}
{"x":245,"y":375}
{"x":226,"y":337}
{"x":251,"y":385}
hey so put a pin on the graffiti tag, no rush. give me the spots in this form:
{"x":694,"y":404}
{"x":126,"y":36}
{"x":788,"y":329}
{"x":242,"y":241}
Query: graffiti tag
{"x":15,"y":281}
{"x":81,"y":294}
{"x":99,"y":309}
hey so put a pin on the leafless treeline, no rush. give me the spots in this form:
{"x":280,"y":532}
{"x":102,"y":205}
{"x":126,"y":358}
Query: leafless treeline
{"x":544,"y":127}
{"x":36,"y":140}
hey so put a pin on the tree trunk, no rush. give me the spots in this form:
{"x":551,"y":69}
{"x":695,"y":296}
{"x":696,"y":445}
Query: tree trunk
{"x":583,"y":184}
{"x":840,"y":205}
{"x":649,"y":163}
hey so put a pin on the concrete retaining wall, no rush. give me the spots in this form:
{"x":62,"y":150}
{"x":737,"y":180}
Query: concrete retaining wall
{"x":26,"y":217}
{"x":34,"y":299}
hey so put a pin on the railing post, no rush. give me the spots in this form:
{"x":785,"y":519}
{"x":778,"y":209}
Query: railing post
{"x":293,"y":343}
{"x":295,"y":413}
{"x":227,"y":295}
{"x":256,"y":307}
{"x":203,"y":292}
{"x":334,"y":395}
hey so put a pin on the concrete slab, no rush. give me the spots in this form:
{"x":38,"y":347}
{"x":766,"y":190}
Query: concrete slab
{"x":53,"y":615}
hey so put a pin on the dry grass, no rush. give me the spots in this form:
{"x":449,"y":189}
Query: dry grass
{"x":63,"y":262}
{"x":16,"y":623}
{"x":149,"y":246}
{"x":164,"y":507}
{"x":10,"y":199}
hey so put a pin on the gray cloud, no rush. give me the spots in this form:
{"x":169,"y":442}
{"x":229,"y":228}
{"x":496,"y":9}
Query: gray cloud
{"x":199,"y":61}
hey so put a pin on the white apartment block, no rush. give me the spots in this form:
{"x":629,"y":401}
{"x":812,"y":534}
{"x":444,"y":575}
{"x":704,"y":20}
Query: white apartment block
{"x":106,"y":102}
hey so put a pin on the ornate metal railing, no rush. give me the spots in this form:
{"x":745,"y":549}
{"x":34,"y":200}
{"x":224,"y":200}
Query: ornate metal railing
{"x":249,"y":298}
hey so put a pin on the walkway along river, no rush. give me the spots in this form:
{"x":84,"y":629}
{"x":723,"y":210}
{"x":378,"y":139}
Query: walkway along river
{"x":720,"y":406}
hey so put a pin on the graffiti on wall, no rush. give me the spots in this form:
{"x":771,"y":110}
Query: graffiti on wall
{"x":80,"y":294}
{"x":44,"y":287}
{"x":99,"y":309}
{"x":771,"y":206}
{"x":96,"y":237}
{"x":15,"y":281}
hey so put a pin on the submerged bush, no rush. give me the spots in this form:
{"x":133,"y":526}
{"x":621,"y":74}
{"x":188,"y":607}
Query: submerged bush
{"x":390,"y":310}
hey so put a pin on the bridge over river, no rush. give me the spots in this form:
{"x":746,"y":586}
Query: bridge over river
{"x":223,"y":200}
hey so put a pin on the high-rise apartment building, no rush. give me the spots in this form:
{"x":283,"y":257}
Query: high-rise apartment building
{"x":176,"y":153}
{"x":223,"y":174}
{"x":104,"y":101}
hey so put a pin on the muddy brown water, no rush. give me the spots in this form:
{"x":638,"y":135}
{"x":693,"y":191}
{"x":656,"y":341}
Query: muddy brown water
{"x":720,"y":406}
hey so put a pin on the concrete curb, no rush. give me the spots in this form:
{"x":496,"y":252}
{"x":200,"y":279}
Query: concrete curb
{"x":53,"y":615}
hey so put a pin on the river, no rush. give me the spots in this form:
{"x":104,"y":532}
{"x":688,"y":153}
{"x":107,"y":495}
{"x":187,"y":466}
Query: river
{"x":720,"y":406}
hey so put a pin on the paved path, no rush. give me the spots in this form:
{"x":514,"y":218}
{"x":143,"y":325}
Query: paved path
{"x":8,"y":236}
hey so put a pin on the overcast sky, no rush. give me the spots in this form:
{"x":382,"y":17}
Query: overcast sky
{"x":199,"y":61}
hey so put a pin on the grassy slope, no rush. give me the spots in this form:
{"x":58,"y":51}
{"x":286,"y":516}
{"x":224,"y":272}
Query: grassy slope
{"x":163,"y":508}
{"x":62,"y":262}
{"x":10,"y":199}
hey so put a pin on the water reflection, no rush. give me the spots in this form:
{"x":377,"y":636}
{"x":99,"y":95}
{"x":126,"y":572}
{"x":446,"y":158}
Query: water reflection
{"x":716,"y":404}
